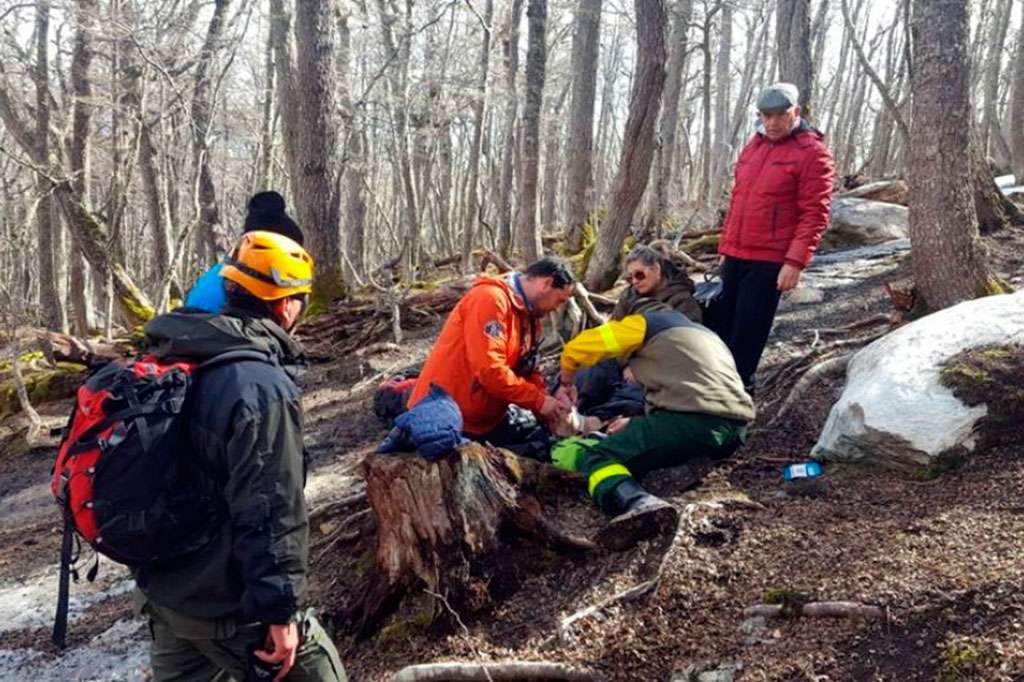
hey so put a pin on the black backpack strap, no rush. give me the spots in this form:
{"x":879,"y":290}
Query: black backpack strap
{"x":60,"y":621}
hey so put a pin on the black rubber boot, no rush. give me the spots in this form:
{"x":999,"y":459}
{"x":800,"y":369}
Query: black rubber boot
{"x":640,"y":516}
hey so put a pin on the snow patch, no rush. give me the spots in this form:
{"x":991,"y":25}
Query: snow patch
{"x":30,"y":602}
{"x":117,"y":654}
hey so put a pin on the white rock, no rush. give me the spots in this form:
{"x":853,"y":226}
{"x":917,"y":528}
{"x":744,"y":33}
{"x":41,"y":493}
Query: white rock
{"x":859,"y":222}
{"x":894,"y":411}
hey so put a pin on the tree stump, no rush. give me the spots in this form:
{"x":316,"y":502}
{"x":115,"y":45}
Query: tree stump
{"x":439,"y":521}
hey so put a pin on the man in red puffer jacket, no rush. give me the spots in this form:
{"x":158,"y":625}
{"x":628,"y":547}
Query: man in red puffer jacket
{"x":778,"y":212}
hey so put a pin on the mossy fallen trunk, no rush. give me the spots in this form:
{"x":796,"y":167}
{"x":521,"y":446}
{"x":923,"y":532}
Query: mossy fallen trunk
{"x":42,"y":386}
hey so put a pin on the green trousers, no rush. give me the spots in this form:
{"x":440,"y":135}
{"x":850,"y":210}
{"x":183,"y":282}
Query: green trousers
{"x":659,"y":440}
{"x":188,"y":649}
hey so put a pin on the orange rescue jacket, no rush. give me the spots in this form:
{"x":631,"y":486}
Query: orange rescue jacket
{"x":483,"y":339}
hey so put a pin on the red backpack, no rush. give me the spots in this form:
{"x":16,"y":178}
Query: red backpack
{"x":124,"y":477}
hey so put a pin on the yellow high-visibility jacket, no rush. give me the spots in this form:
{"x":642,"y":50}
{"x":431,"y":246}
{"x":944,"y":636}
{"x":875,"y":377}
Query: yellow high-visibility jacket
{"x":684,"y":366}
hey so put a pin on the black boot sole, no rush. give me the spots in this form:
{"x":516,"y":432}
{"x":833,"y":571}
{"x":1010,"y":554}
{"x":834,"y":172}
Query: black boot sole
{"x":626,"y":530}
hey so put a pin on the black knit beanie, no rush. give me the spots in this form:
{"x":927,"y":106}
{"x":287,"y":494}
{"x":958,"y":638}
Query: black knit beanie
{"x":266,"y":212}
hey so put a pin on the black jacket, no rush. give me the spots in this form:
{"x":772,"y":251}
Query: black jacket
{"x":246,"y":426}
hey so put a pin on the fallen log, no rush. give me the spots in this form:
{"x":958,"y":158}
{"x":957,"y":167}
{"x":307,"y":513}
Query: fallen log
{"x":65,"y":348}
{"x":485,"y":672}
{"x":439,"y":521}
{"x":888,"y":191}
{"x":818,"y":609}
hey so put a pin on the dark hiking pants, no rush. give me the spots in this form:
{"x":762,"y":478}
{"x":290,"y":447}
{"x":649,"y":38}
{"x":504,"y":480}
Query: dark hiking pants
{"x":660,"y":440}
{"x":519,"y":432}
{"x":745,"y":311}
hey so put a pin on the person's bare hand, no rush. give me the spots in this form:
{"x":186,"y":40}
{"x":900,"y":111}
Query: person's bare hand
{"x":567,"y":393}
{"x":554,"y":409}
{"x":789,"y":277}
{"x":721,"y":259}
{"x":617,"y":424}
{"x":627,"y":375}
{"x":281,"y":645}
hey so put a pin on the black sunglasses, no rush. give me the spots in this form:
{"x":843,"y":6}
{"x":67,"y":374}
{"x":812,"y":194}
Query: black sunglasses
{"x":637,"y":276}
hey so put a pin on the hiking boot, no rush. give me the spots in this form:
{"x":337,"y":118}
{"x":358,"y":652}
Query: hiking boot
{"x":641,"y":516}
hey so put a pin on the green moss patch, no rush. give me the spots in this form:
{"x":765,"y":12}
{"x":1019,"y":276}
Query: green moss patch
{"x":44,"y":386}
{"x":992,"y":376}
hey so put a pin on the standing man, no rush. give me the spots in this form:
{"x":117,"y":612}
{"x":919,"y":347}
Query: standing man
{"x":486,"y":357}
{"x":779,"y":209}
{"x":234,"y":606}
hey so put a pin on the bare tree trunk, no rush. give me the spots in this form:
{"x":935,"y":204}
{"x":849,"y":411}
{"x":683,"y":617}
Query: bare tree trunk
{"x":580,"y":175}
{"x":723,"y":83}
{"x":479,"y":106}
{"x":511,"y":49}
{"x":356,"y":151}
{"x":552,"y":163}
{"x":669,"y":123}
{"x":949,"y":260}
{"x":705,"y":136}
{"x":202,"y":118}
{"x":264,"y":176}
{"x":990,"y":133}
{"x":637,"y":143}
{"x":528,"y":231}
{"x":314,"y":177}
{"x":310,"y":133}
{"x":50,"y":307}
{"x":757,"y":39}
{"x":1016,"y":126}
{"x":793,"y":41}
{"x":86,"y":12}
{"x":819,"y":30}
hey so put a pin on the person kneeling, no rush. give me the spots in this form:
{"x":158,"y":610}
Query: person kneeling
{"x":697,"y":407}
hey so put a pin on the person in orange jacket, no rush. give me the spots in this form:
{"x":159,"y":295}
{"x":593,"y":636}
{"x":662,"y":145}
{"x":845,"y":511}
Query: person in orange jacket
{"x":486,"y":357}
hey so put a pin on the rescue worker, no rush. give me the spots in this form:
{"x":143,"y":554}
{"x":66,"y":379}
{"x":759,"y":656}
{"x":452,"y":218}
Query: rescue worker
{"x":779,"y":209}
{"x":236,"y":604}
{"x":486,"y":358}
{"x":265,"y":211}
{"x":697,"y":407}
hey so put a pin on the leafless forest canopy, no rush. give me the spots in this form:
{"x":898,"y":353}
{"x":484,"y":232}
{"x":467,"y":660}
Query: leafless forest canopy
{"x":403,"y":132}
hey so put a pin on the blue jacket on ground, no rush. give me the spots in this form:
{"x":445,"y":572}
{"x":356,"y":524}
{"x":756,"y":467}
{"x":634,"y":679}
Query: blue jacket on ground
{"x":433,"y":427}
{"x":207,"y":293}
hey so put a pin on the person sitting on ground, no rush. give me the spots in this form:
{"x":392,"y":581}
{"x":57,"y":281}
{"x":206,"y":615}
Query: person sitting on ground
{"x":265,"y":211}
{"x":486,"y":358}
{"x":696,"y":408}
{"x":656,"y":276}
{"x":655,"y":273}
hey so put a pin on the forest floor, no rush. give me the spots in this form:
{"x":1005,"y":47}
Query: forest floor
{"x":941,"y":557}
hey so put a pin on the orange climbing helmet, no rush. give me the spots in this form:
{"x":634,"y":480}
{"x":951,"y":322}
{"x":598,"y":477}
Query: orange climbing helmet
{"x":269,"y":266}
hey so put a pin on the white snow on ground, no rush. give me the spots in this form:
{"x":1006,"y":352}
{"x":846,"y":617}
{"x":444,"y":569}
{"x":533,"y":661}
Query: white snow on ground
{"x":31,"y":602}
{"x":118,"y":654}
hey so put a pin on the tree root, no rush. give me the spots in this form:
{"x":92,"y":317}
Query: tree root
{"x":485,"y":672}
{"x":336,"y":506}
{"x":818,"y":609}
{"x":891,"y":319}
{"x":829,"y":367}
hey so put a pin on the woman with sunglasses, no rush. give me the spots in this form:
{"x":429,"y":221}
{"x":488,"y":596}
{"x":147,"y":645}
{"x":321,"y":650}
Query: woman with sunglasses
{"x":655,"y":274}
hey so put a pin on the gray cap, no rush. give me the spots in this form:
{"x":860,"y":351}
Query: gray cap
{"x":778,"y":96}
